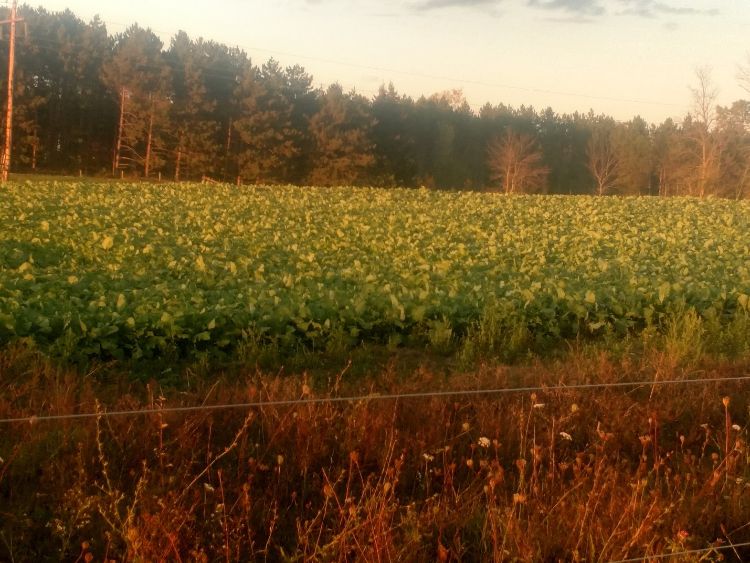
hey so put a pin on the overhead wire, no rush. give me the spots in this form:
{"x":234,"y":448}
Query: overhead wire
{"x":53,"y":46}
{"x":495,"y":85}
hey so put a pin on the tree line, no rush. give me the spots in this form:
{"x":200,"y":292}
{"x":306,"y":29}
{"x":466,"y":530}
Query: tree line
{"x":127,"y":105}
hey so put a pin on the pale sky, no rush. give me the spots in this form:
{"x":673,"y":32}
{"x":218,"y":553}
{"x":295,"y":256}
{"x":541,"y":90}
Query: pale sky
{"x":620,"y":57}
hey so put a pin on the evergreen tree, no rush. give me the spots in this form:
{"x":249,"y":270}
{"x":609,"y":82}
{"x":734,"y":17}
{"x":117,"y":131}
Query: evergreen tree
{"x":269,"y":142}
{"x":393,"y":137}
{"x":305,"y":104}
{"x":343,"y":152}
{"x":227,"y":67}
{"x":194,"y":128}
{"x":670,"y":156}
{"x":564,"y":139}
{"x":733,"y":125}
{"x":59,"y":96}
{"x":139,"y":79}
{"x":634,"y":156}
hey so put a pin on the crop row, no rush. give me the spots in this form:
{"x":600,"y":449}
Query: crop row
{"x":138,"y":270}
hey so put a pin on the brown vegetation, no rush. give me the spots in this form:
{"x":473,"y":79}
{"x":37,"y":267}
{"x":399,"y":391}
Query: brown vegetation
{"x":601,"y":474}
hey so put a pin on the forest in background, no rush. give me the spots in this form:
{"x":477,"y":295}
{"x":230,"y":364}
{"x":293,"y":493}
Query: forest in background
{"x":92,"y":103}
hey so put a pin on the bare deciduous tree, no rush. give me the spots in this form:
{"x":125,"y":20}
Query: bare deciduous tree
{"x":733,"y":131}
{"x":602,"y":159}
{"x":515,"y":162}
{"x":743,"y":75}
{"x":708,"y":144}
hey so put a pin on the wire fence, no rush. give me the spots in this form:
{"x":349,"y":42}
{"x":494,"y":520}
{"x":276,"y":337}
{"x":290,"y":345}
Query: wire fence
{"x":685,"y":553}
{"x":305,"y":401}
{"x":421,"y":395}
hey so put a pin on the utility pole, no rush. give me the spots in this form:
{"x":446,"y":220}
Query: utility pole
{"x":9,"y":111}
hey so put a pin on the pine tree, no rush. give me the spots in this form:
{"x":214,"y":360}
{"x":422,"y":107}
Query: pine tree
{"x":634,"y":156}
{"x":733,"y":125}
{"x":193,"y":145}
{"x":139,"y":79}
{"x":671,"y":159}
{"x":393,"y":136}
{"x":342,"y":148}
{"x":269,"y":142}
{"x":305,"y":104}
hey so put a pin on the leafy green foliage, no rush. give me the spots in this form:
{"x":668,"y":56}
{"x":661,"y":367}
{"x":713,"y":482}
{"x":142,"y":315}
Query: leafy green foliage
{"x":147,"y":270}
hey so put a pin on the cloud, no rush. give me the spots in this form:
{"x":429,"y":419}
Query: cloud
{"x":570,"y":19}
{"x":655,"y":8}
{"x":569,"y":11}
{"x":439,"y":4}
{"x":579,"y":7}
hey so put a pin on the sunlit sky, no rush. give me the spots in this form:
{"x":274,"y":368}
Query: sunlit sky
{"x":620,"y":57}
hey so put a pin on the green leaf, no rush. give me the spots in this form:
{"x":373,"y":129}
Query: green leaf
{"x":664,"y":290}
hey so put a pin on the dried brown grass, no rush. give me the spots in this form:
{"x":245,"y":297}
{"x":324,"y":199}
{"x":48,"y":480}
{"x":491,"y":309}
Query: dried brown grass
{"x":557,"y":475}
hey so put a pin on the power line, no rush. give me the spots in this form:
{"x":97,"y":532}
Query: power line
{"x":680,"y":553}
{"x":54,"y":46}
{"x":469,"y":81}
{"x":439,"y":77}
{"x":374,"y":397}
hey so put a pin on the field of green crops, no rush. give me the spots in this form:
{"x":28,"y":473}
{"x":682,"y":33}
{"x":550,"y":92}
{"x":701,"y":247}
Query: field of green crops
{"x":131,"y":271}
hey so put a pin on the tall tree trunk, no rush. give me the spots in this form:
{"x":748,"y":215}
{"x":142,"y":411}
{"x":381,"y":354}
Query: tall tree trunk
{"x":147,"y":166}
{"x":34,"y":145}
{"x":121,"y":122}
{"x":508,"y":182}
{"x":179,"y":161}
{"x":226,"y":150}
{"x":704,"y":168}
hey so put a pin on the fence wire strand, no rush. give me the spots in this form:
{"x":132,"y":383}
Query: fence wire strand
{"x":372,"y":397}
{"x":416,"y":395}
{"x":682,"y":553}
